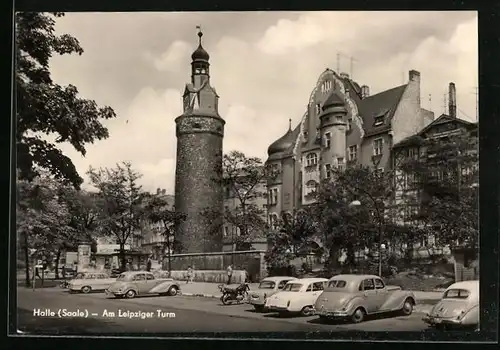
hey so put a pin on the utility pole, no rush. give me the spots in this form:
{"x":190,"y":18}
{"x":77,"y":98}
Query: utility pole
{"x":351,"y":61}
{"x":476,"y":93}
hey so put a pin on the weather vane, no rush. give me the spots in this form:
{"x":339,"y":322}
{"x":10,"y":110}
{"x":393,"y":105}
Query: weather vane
{"x":200,"y":33}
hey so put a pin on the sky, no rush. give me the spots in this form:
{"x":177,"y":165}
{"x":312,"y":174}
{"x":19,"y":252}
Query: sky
{"x":264,"y":66}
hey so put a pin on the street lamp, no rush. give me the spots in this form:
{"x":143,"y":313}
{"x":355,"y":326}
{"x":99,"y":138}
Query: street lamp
{"x":381,"y":246}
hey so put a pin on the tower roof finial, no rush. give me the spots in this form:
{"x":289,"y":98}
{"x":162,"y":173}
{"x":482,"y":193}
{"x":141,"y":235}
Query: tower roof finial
{"x":200,"y":33}
{"x":290,"y":124}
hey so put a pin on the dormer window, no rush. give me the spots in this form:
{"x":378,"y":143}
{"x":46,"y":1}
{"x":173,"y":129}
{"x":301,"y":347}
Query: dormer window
{"x":379,"y":120}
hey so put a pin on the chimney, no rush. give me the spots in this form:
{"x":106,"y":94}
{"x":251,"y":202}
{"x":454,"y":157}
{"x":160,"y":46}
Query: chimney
{"x":415,"y":76}
{"x":163,"y":191}
{"x":452,"y":100}
{"x":158,"y":191}
{"x":415,"y":83}
{"x":365,"y":91}
{"x":344,"y":75}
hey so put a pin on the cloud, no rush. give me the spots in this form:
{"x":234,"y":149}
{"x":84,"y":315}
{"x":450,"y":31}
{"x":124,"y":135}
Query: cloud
{"x":263,"y":76}
{"x":174,"y":56}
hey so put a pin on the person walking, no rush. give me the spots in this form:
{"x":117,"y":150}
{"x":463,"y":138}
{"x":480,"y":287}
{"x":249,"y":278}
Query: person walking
{"x":148,"y":264}
{"x":190,"y":274}
{"x":229,"y":274}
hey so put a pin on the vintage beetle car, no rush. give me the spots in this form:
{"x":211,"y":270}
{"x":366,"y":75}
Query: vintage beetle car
{"x":86,"y":282}
{"x":459,"y":307}
{"x":355,"y":296}
{"x":298,"y":296}
{"x":267,"y":287}
{"x":132,"y":283}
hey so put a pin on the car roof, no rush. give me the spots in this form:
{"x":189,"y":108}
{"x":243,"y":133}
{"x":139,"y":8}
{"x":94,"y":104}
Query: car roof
{"x":469,"y":285}
{"x":134,"y":272}
{"x":309,"y":280}
{"x":279,"y":278}
{"x":353,"y":277}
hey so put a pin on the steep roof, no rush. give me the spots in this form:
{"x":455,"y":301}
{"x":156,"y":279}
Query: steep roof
{"x":384,"y":105}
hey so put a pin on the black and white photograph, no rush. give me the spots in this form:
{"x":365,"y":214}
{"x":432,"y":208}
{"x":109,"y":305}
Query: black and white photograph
{"x":235,"y":172}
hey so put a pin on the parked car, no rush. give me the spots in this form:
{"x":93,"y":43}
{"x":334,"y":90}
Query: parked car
{"x":355,"y":296}
{"x":87,"y":282}
{"x":267,"y":287}
{"x":459,"y":307}
{"x":132,"y":283}
{"x":298,"y":296}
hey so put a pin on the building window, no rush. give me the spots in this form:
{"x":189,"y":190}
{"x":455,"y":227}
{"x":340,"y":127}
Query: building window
{"x":264,"y":207}
{"x":349,"y":124}
{"x":379,"y":120}
{"x":378,"y":146}
{"x":311,"y":187}
{"x":273,"y":221}
{"x":273,"y":196}
{"x":311,"y":159}
{"x":353,"y":152}
{"x":328,"y":171}
{"x":226,"y":231}
{"x":318,"y":108}
{"x":328,"y":139}
{"x":340,"y":163}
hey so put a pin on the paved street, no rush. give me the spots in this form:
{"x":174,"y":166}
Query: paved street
{"x":178,"y":314}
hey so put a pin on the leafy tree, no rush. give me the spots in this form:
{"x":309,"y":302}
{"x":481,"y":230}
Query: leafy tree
{"x":352,"y":211}
{"x":296,"y":231}
{"x":43,"y":219}
{"x":159,"y":211}
{"x":122,"y":202}
{"x":446,"y":172}
{"x":44,"y":107}
{"x":243,"y":180}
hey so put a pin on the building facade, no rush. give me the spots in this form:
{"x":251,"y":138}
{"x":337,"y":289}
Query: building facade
{"x":343,"y":125}
{"x":198,"y":174}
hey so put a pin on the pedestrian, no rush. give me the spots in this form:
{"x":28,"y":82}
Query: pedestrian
{"x":247,"y":277}
{"x":64,"y":272}
{"x":189,"y":274}
{"x":148,"y":265}
{"x":229,"y":274}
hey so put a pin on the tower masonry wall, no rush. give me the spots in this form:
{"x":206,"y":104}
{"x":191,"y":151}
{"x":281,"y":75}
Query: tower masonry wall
{"x":197,"y":185}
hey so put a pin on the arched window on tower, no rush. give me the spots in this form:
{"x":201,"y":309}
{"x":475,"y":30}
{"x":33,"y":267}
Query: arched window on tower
{"x":311,"y":159}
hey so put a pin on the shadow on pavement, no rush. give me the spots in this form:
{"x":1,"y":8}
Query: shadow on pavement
{"x":38,"y":284}
{"x":381,"y":316}
{"x":29,"y":324}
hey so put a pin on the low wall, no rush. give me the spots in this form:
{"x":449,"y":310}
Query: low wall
{"x":210,"y":276}
{"x":251,"y":260}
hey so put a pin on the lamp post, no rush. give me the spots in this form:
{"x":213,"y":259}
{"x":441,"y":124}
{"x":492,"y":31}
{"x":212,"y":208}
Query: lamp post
{"x":381,"y":246}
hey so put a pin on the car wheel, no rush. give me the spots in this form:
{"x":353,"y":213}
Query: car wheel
{"x":307,"y":311}
{"x":173,"y":291}
{"x":86,"y":289}
{"x":407,"y":307}
{"x":358,"y":315}
{"x":259,"y":308}
{"x":130,"y":294}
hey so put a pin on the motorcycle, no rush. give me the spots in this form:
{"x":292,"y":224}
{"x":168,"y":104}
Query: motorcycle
{"x":230,"y":295}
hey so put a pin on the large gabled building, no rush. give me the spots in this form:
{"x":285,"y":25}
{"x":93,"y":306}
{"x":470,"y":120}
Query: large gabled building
{"x":342,"y":125}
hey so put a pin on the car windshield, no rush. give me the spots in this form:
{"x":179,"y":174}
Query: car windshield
{"x":123,"y":277}
{"x":292,"y":287}
{"x":456,"y":294}
{"x":267,"y":285}
{"x":336,"y":284}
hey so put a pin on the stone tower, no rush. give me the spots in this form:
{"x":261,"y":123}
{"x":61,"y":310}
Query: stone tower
{"x":198,"y":173}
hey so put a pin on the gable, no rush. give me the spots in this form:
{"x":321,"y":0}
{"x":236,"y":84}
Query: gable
{"x":444,"y":123}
